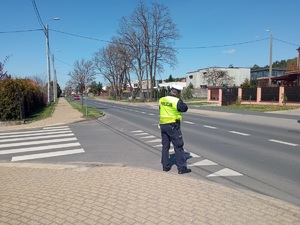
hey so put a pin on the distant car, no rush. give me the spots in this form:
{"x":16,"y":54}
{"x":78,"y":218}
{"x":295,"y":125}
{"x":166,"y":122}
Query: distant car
{"x":76,"y":97}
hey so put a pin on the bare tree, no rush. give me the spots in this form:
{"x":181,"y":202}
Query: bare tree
{"x":132,"y":42}
{"x":82,"y":75}
{"x":113,"y":64}
{"x":4,"y":74}
{"x":217,"y":77}
{"x":150,"y":34}
{"x":40,"y":80}
{"x":69,"y":87}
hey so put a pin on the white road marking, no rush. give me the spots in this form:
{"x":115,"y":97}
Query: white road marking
{"x":46,"y":155}
{"x":54,"y":127}
{"x":139,"y":134}
{"x":151,"y":114}
{"x":36,"y":134}
{"x":239,"y":133}
{"x":194,"y":155}
{"x":146,"y":137}
{"x":154,"y":140}
{"x":204,"y":162}
{"x":283,"y":142}
{"x":33,"y":131}
{"x":209,"y":127}
{"x":39,"y":148}
{"x":37,"y":142}
{"x":188,"y":122}
{"x":34,"y":138}
{"x":156,"y":146}
{"x":225,"y":173}
{"x":137,"y":131}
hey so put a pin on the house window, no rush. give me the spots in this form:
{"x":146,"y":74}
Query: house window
{"x":191,"y":76}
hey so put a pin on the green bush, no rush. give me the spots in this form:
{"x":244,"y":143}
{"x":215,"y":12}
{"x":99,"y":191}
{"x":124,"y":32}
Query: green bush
{"x":19,"y":98}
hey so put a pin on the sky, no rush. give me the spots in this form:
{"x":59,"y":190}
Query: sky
{"x":213,"y":33}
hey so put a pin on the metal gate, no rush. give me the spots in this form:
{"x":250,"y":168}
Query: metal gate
{"x":229,"y":95}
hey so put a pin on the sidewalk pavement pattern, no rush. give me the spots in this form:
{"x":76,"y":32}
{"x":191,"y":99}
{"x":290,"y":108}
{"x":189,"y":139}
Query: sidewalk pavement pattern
{"x":115,"y":194}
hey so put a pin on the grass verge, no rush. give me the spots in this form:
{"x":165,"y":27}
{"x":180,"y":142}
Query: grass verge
{"x":88,"y":112}
{"x":42,"y":113}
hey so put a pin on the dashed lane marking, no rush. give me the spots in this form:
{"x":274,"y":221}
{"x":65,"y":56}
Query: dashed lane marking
{"x":210,"y":127}
{"x":194,"y":155}
{"x":283,"y":142}
{"x":188,"y":122}
{"x":156,"y":146}
{"x":141,"y":134}
{"x":147,"y":137}
{"x":204,"y":162}
{"x":155,"y":140}
{"x":239,"y":133}
{"x":225,"y":173}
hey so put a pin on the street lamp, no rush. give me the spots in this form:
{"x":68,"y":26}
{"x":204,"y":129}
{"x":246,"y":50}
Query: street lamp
{"x":271,"y":61}
{"x":48,"y":59}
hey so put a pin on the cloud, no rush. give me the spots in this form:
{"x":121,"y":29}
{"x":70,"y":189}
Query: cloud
{"x":230,"y":51}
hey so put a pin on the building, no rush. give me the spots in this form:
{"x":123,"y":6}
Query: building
{"x":170,"y":84}
{"x":196,"y":78}
{"x":256,"y":74}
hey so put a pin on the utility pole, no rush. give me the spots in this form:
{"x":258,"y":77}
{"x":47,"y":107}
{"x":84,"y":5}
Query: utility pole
{"x":54,"y":81}
{"x":48,"y":62}
{"x":271,"y":61}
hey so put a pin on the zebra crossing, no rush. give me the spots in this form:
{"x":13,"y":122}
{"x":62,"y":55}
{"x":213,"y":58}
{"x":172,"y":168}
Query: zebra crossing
{"x":50,"y":141}
{"x":193,"y":159}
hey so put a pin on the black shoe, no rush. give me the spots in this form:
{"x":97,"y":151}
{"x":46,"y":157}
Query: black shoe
{"x":168,"y":168}
{"x":185,"y":170}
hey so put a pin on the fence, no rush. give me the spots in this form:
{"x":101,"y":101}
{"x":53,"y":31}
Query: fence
{"x":260,"y":95}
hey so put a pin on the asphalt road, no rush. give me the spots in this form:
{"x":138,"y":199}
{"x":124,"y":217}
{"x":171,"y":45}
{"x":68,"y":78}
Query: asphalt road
{"x":261,"y":155}
{"x":257,"y":152}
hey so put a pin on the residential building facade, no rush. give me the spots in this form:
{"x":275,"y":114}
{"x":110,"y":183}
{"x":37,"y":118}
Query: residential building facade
{"x":256,"y":74}
{"x":196,"y":78}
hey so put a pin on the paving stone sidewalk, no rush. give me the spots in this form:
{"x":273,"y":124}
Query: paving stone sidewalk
{"x":114,"y":194}
{"x":105,"y":194}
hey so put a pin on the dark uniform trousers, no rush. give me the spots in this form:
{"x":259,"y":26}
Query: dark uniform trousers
{"x":172,"y":133}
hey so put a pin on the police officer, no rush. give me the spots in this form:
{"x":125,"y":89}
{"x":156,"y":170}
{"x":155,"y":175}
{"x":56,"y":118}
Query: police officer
{"x":170,"y":109}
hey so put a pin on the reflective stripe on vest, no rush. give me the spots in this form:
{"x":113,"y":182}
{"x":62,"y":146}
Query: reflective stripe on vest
{"x":168,"y":110}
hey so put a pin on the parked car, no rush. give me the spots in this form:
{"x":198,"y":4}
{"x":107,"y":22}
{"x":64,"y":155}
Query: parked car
{"x":76,"y":97}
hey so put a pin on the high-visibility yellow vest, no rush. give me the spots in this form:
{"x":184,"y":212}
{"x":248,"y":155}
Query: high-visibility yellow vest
{"x":168,"y":110}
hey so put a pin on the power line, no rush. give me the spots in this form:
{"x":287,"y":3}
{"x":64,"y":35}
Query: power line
{"x":225,"y":45}
{"x":19,"y":31}
{"x":76,"y":35}
{"x":38,"y":16}
{"x":285,"y":42}
{"x":196,"y":47}
{"x":63,"y":62}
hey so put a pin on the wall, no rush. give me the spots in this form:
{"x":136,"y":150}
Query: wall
{"x":197,"y":77}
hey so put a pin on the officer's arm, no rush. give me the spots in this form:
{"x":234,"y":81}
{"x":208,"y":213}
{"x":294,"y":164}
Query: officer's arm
{"x":181,"y":106}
